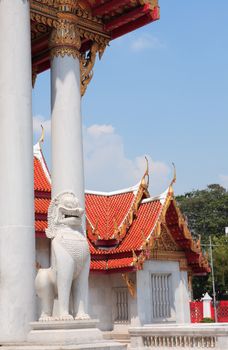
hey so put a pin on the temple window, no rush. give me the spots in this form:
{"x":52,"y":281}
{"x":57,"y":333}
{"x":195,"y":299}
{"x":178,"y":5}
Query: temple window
{"x":161,"y":289}
{"x":121,"y":314}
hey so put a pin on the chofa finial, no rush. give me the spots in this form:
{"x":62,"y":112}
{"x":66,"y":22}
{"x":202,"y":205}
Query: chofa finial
{"x":145,"y":178}
{"x":174,"y":175}
{"x":41,"y":140}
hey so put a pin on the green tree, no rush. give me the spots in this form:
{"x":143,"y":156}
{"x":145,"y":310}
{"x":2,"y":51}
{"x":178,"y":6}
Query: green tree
{"x":220,"y":259}
{"x":206,"y":210}
{"x":207,"y":215}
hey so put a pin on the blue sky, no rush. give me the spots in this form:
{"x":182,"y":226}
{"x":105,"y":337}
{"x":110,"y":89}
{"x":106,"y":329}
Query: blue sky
{"x":160,"y":91}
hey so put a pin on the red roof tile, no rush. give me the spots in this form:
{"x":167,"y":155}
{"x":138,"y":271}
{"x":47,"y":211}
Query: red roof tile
{"x":140,"y":229}
{"x":111,"y":264}
{"x":41,"y":205}
{"x":40,"y":226}
{"x":41,"y":182}
{"x":142,"y":226}
{"x":104,"y":211}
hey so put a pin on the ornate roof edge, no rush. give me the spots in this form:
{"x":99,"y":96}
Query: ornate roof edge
{"x":38,"y":154}
{"x":143,"y":185}
{"x":120,"y":230}
{"x":148,"y":244}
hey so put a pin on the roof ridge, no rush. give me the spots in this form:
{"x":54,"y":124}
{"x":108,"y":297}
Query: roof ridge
{"x":161,"y":197}
{"x":113,"y":193}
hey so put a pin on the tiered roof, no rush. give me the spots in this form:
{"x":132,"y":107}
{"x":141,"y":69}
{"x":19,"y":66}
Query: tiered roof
{"x":124,"y":228}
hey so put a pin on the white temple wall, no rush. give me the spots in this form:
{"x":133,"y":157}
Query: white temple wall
{"x":103,"y":293}
{"x":185,"y":316}
{"x":100,"y":300}
{"x":162,"y":293}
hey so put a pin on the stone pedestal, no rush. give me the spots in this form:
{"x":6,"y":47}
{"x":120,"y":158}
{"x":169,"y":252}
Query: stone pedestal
{"x":65,"y":335}
{"x":65,"y":332}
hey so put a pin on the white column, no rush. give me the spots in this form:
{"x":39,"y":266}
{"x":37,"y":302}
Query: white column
{"x":17,"y":248}
{"x":67,"y":149}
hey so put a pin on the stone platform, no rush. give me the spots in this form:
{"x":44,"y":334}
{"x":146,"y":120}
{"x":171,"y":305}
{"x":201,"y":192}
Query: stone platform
{"x":190,"y":336}
{"x":98,"y":346}
{"x":65,"y":332}
{"x":65,"y":335}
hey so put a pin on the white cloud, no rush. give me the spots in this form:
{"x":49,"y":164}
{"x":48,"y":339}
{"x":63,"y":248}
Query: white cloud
{"x":146,"y":41}
{"x":97,"y":130}
{"x":224,"y":180}
{"x":107,"y":167}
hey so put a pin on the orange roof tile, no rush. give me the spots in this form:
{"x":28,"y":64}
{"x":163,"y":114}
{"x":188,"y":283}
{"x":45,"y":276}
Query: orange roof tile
{"x":41,"y":205}
{"x":41,"y":182}
{"x":111,"y":264}
{"x":141,"y":228}
{"x":40,"y":226}
{"x":104,"y":211}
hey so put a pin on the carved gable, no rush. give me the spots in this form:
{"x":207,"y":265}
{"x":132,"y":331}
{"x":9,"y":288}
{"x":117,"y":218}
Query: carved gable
{"x":165,"y":242}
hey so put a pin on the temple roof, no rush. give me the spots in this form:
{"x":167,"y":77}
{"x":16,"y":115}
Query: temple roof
{"x":122,"y":16}
{"x":97,"y":20}
{"x":126,"y":227}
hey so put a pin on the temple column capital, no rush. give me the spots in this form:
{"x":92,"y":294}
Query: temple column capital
{"x":65,"y":39}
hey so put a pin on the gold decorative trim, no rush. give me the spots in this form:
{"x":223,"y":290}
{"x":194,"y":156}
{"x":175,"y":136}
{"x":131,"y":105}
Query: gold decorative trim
{"x":34,"y":76}
{"x":40,"y":18}
{"x":64,"y":51}
{"x":66,"y":5}
{"x":120,"y":232}
{"x":150,"y":247}
{"x":178,"y":256}
{"x":87,"y":61}
{"x":130,"y":285}
{"x":48,"y":12}
{"x":65,"y":40}
{"x":174,"y":176}
{"x":138,"y":261}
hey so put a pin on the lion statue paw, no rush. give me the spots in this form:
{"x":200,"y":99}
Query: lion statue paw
{"x":66,"y":317}
{"x":46,"y":318}
{"x":82,"y":316}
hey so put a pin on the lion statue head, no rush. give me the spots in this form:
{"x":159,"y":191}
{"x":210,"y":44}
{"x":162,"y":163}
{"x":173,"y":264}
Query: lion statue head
{"x":64,"y":210}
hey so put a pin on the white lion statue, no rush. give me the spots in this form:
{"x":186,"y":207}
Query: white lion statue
{"x":69,"y":271}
